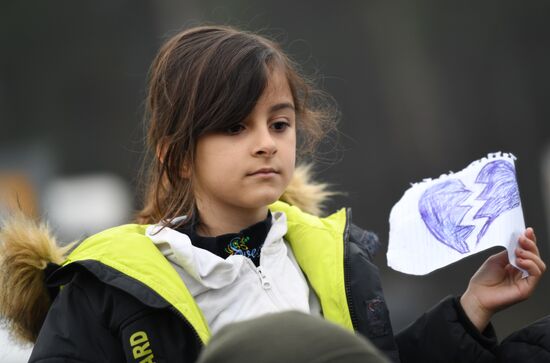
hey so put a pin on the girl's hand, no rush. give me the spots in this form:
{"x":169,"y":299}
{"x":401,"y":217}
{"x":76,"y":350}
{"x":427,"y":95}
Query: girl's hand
{"x":497,"y":284}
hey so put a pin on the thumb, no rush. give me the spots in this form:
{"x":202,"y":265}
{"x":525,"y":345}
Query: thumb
{"x":500,"y":258}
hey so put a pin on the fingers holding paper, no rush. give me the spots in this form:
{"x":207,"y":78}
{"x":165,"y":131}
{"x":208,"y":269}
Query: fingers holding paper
{"x":497,"y":284}
{"x":527,"y":254}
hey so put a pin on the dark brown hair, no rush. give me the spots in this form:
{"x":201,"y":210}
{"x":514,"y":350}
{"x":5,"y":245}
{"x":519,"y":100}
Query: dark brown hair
{"x":207,"y":79}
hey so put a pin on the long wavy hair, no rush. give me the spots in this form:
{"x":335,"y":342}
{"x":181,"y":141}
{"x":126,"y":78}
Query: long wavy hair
{"x":206,"y":79}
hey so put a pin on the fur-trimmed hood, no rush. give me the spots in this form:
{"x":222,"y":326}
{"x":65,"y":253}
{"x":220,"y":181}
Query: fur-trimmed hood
{"x":27,"y":248}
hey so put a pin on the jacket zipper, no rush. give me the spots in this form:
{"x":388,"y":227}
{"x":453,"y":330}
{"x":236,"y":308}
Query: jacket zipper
{"x":267,"y":285}
{"x":347,"y":271}
{"x":186,"y":322}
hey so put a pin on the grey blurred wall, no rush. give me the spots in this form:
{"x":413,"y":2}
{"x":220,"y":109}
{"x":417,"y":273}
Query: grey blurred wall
{"x":424,"y":87}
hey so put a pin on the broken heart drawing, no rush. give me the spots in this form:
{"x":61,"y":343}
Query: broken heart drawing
{"x":444,"y":206}
{"x":443,"y":220}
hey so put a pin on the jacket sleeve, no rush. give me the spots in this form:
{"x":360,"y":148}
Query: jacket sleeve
{"x":528,"y":345}
{"x":445,"y":334}
{"x":90,"y":321}
{"x":157,"y":336}
{"x":442,"y":334}
{"x":73,"y":331}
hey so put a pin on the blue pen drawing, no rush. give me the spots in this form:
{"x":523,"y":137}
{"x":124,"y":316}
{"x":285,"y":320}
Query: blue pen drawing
{"x":442,"y":211}
{"x":500,"y":194}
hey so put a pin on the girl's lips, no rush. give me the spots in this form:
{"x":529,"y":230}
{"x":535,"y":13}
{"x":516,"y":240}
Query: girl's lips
{"x":264,"y":172}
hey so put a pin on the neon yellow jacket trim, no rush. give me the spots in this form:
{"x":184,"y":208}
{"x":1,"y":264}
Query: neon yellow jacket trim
{"x":317,"y":244}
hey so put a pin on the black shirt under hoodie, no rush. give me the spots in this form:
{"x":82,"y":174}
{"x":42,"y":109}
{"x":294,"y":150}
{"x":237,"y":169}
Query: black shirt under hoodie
{"x":248,"y":242}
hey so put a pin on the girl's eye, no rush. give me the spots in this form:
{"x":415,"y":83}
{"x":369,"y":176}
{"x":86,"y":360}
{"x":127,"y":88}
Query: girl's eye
{"x":280,"y":125}
{"x":235,"y":129}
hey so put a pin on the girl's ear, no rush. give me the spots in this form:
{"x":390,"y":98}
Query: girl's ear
{"x":186,"y":169}
{"x":161,"y":149}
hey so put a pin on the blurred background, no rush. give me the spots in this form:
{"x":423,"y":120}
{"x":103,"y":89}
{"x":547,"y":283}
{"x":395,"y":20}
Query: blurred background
{"x":423,"y":87}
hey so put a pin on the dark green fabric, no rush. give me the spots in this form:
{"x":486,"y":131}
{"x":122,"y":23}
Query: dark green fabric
{"x":289,"y":337}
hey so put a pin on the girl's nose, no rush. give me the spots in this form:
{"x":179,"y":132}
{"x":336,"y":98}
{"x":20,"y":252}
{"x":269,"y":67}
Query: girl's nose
{"x":264,"y":144}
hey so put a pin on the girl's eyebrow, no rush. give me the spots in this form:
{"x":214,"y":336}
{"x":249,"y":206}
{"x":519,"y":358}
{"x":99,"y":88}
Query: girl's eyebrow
{"x":281,"y":106}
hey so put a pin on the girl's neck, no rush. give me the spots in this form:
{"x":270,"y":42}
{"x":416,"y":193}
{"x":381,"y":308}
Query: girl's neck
{"x":215,"y":222}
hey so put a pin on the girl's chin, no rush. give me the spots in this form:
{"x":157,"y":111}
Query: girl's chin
{"x":261,"y":201}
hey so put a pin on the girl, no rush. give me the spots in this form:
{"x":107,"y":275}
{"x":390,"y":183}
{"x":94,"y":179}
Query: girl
{"x":229,"y":231}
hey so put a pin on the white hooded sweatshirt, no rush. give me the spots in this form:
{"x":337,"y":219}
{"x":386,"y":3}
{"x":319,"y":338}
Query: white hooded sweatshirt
{"x":234,"y":289}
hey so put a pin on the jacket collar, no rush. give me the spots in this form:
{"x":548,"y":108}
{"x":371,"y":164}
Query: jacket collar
{"x":206,"y":268}
{"x":317,"y":244}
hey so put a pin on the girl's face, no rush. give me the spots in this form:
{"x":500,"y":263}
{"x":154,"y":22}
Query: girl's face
{"x":248,"y":166}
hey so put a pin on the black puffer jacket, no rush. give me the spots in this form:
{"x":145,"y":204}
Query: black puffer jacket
{"x":122,"y":301}
{"x":103,"y":314}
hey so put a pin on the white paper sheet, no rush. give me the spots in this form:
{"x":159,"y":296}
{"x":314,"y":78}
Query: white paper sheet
{"x":438,"y":222}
